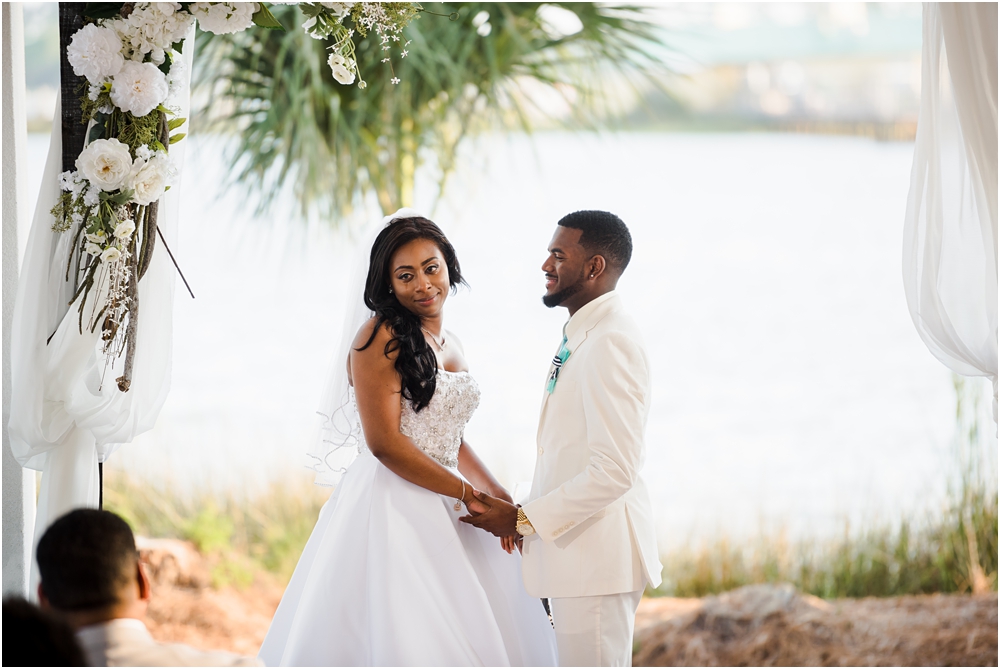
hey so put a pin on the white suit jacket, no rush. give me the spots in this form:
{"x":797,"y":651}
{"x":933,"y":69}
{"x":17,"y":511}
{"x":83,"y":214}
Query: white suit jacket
{"x":125,"y":642}
{"x":594,"y":532}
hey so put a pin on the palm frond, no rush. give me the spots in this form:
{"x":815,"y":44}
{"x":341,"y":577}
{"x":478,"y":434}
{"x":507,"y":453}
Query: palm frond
{"x":335,"y":144}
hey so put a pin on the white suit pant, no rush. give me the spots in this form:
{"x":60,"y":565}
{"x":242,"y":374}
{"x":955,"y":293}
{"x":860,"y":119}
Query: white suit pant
{"x":595,"y":631}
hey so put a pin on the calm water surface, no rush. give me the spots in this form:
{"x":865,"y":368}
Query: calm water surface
{"x":790,"y":387}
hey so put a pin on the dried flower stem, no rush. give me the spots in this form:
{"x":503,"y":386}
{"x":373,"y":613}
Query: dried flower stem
{"x":125,"y":380}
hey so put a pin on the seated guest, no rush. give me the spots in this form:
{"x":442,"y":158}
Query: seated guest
{"x":37,"y":638}
{"x":91,"y":574}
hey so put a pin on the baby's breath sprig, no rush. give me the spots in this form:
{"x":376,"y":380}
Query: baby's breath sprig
{"x":386,"y":20}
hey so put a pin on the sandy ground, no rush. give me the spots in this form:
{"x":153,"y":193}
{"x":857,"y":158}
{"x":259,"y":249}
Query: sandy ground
{"x":769,"y":625}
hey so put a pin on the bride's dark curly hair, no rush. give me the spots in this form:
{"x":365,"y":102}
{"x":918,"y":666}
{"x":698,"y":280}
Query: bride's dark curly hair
{"x":416,"y":363}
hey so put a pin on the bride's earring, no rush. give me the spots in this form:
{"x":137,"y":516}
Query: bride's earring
{"x":390,"y":291}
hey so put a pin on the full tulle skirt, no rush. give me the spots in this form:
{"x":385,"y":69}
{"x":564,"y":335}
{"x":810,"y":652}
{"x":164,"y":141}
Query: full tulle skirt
{"x":390,"y":577}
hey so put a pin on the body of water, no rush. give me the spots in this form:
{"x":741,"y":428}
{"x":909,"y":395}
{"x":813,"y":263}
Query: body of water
{"x":790,"y":387}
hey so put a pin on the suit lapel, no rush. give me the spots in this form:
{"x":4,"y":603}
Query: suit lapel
{"x":576,"y":341}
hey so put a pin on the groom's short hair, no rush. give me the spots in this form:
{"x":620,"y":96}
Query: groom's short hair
{"x":85,"y":558}
{"x":604,"y":234}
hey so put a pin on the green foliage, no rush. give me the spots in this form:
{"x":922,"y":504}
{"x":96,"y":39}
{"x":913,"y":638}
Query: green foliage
{"x":239,"y":536}
{"x":335,"y":144}
{"x":265,"y":19}
{"x":952,"y":550}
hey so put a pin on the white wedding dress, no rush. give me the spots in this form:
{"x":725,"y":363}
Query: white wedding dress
{"x":391,"y":577}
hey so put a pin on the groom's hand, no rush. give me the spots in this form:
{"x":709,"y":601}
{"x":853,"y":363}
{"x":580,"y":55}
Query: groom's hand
{"x":500,"y":520}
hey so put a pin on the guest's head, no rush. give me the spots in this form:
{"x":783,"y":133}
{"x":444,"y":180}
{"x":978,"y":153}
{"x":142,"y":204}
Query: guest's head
{"x":587,"y":255}
{"x":38,"y":638}
{"x":412,"y":269}
{"x":90,"y":569}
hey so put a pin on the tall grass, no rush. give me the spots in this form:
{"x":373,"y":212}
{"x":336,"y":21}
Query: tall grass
{"x":952,"y":549}
{"x":239,"y":536}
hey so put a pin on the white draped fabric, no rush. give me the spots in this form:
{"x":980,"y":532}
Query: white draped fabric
{"x":950,"y":232}
{"x":67,"y":413}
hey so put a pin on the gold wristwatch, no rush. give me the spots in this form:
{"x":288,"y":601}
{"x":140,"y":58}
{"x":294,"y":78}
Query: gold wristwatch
{"x":523,"y":525}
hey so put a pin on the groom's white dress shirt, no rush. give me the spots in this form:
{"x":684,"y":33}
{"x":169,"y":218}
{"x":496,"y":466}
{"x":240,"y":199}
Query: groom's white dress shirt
{"x":125,"y":642}
{"x":594,"y":532}
{"x":594,"y":547}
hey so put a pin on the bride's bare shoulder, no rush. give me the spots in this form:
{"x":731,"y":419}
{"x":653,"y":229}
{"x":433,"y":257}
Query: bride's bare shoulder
{"x":365,"y":340}
{"x":453,"y":339}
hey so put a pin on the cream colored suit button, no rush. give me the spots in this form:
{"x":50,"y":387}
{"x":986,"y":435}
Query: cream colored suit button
{"x":540,"y":450}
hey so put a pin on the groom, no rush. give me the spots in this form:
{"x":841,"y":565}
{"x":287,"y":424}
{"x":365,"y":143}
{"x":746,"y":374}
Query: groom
{"x":589,"y":541}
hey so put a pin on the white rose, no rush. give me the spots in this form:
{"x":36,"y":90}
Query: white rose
{"x":110,"y":255}
{"x":138,"y":88}
{"x":342,"y":74}
{"x":149,"y":179}
{"x":95,"y":53}
{"x":106,"y":163}
{"x":97,"y":237}
{"x":125,"y":229}
{"x":93,"y":249}
{"x":223,"y":18}
{"x":336,"y":59}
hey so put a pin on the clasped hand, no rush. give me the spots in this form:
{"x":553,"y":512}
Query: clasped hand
{"x":495,"y":514}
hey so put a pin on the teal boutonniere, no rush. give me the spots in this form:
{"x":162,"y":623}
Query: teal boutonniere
{"x":557,"y":362}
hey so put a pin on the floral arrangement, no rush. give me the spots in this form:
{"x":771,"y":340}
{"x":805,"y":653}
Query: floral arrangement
{"x":325,"y":20}
{"x":129,"y":54}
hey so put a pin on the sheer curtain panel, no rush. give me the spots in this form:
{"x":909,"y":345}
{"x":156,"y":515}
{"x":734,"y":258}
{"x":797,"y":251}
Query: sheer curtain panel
{"x":950,"y":232}
{"x":67,"y":413}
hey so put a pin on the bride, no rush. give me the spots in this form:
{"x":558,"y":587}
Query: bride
{"x":389,"y":576}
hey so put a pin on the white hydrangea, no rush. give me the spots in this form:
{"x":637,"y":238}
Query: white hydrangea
{"x":96,"y":53}
{"x":176,"y":78}
{"x":223,"y":18}
{"x":138,"y":88}
{"x":152,"y":28}
{"x":149,"y":178}
{"x":106,"y":163}
{"x":91,"y":198}
{"x":66,"y":180}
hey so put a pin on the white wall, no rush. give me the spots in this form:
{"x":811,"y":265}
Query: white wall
{"x":18,"y":484}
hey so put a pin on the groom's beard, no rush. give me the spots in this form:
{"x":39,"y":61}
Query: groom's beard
{"x":555,"y":299}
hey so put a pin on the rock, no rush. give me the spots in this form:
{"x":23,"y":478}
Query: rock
{"x":173,"y":563}
{"x":773,"y":625}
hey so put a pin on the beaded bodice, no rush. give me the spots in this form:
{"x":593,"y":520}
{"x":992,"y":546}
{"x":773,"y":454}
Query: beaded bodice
{"x":437,"y":429}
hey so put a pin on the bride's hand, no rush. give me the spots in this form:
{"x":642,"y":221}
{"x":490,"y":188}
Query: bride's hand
{"x":500,"y":492}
